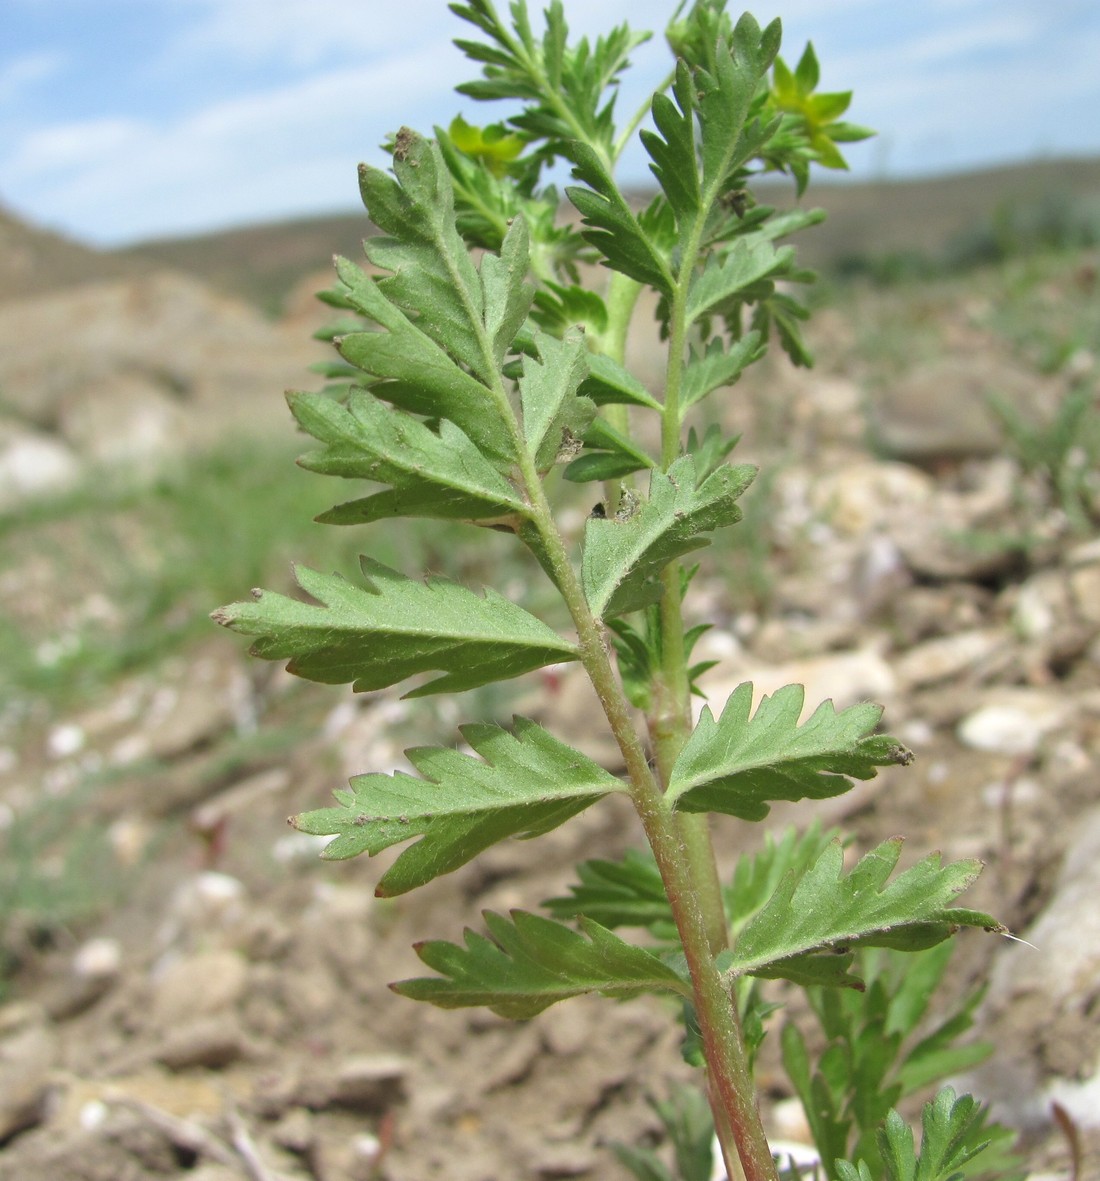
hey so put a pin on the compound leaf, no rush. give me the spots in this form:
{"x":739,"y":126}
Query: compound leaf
{"x":672,"y":147}
{"x":431,"y":276}
{"x":739,"y":763}
{"x":718,"y":366}
{"x":552,"y":412}
{"x":623,"y":557}
{"x":376,"y":635}
{"x":817,"y":913}
{"x":525,"y":783}
{"x":953,"y":1133}
{"x":530,"y":962}
{"x":612,"y":226}
{"x":507,"y":293}
{"x":608,"y":382}
{"x":446,"y":328}
{"x":417,"y":373}
{"x":626,"y":893}
{"x":431,"y":474}
{"x":747,"y":263}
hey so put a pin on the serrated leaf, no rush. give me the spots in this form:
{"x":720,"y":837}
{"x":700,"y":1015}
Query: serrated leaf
{"x":530,"y":962}
{"x":724,"y":98}
{"x":747,"y":263}
{"x":672,"y":147}
{"x":430,"y":275}
{"x":785,"y":314}
{"x":756,"y":877}
{"x":548,"y":395}
{"x":446,"y":328}
{"x":612,"y":227}
{"x":617,"y":455}
{"x":609,"y":383}
{"x":623,"y":559}
{"x":822,"y":912}
{"x":506,"y":291}
{"x":525,"y":783}
{"x":626,"y":893}
{"x":952,"y":1135}
{"x":719,"y":366}
{"x":418,"y":374}
{"x":393,"y":627}
{"x":431,"y":474}
{"x":739,"y":763}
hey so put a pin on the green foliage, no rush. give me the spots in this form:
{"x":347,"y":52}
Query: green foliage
{"x":393,"y":627}
{"x":527,"y":784}
{"x":459,"y":388}
{"x":689,"y":1126}
{"x":1064,"y":453}
{"x":623,"y":557}
{"x":882,"y":1047}
{"x":953,"y":1137}
{"x":807,"y":928}
{"x":531,"y":962}
{"x":626,"y":893}
{"x":736,"y":764}
{"x":430,"y":473}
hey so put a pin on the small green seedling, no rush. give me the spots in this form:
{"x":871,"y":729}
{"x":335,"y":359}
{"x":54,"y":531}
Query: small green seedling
{"x":476,"y":369}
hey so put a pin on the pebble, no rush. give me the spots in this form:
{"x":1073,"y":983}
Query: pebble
{"x":98,"y":958}
{"x":203,"y":904}
{"x":212,"y":1042}
{"x":200,"y":985}
{"x":65,"y":740}
{"x":1015,"y":725}
{"x":95,"y":971}
{"x":370,"y":1083}
{"x":26,"y":1060}
{"x":945,"y":657}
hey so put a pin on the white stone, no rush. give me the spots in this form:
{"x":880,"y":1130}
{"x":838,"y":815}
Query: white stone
{"x":298,"y":846}
{"x":1081,"y":1100}
{"x":33,"y":464}
{"x":862,"y":497}
{"x":65,"y":740}
{"x":98,"y":958}
{"x":1014,"y":726}
{"x":946,"y":656}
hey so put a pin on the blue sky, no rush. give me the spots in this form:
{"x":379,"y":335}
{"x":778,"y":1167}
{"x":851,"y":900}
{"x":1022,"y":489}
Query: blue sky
{"x":126,"y":119}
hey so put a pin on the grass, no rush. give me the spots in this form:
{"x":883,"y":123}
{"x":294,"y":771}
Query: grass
{"x":113,"y":576}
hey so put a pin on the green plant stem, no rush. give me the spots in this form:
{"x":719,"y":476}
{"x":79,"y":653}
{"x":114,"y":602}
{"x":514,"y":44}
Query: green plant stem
{"x":729,"y":1076}
{"x":672,"y":720}
{"x":622,"y":299}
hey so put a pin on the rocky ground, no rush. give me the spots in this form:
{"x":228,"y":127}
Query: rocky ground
{"x":213,"y":1004}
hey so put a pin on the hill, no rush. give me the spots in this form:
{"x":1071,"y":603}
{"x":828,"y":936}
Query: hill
{"x":867,"y":220}
{"x":34,"y":261}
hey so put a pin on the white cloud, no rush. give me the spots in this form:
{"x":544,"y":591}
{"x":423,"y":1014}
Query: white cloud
{"x":307,"y":33}
{"x":21,"y":74}
{"x":265,"y":154}
{"x":306,"y":88}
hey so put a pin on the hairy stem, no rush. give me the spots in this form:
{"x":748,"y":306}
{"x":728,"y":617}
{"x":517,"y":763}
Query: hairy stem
{"x":719,"y":1025}
{"x":622,"y":299}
